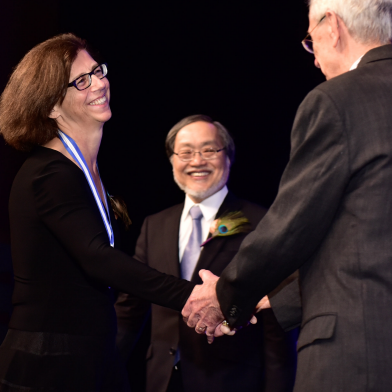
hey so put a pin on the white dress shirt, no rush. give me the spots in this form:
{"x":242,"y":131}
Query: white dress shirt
{"x":355,"y":65}
{"x":209,"y":207}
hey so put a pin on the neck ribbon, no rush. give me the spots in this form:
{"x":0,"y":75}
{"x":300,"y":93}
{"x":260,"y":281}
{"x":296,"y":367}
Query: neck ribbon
{"x":76,"y":154}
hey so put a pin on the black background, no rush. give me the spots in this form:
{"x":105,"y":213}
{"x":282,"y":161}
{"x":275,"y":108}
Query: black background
{"x":242,"y":63}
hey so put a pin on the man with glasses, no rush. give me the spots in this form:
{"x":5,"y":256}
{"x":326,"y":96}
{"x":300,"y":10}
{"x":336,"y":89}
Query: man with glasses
{"x":262,"y":359}
{"x":332,"y":217}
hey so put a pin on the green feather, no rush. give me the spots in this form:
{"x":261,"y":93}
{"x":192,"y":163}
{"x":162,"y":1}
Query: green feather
{"x":232,"y":223}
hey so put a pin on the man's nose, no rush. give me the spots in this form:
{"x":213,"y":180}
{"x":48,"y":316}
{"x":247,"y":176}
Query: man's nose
{"x":197,"y":158}
{"x":316,"y":63}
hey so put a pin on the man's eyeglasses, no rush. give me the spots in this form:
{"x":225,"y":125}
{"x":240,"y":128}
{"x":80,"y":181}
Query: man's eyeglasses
{"x":84,"y":81}
{"x":206,"y":153}
{"x":308,"y":43}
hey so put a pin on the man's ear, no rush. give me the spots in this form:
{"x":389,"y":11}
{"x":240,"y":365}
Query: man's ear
{"x":55,"y":113}
{"x":333,"y":27}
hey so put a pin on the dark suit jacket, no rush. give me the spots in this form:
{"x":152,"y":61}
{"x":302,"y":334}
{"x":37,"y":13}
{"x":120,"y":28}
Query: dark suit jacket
{"x":333,"y":218}
{"x":230,"y":363}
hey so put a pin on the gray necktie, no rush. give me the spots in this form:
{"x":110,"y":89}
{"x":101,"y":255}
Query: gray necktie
{"x":192,"y":250}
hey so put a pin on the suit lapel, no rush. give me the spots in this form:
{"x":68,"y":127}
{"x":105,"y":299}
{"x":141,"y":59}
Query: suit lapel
{"x":170,"y":235}
{"x":211,"y":249}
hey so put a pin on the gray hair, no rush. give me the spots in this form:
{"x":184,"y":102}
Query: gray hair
{"x":368,"y":21}
{"x":227,"y":140}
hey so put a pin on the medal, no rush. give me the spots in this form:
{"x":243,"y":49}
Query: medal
{"x":76,"y":154}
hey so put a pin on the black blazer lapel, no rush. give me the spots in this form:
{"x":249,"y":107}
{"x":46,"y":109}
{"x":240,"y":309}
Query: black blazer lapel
{"x":212,"y":248}
{"x":169,"y":238}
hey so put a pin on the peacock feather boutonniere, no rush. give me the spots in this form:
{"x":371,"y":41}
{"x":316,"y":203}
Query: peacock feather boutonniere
{"x":229,"y":224}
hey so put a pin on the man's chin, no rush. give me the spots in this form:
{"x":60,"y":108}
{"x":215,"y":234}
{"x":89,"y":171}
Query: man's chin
{"x":198,"y":195}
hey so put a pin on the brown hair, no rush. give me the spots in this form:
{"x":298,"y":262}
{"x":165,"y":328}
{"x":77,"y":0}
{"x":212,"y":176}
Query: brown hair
{"x":228,"y":142}
{"x":120,"y":210}
{"x":38,"y":82}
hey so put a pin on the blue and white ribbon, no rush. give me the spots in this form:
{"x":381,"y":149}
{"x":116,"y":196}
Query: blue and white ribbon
{"x":76,"y":154}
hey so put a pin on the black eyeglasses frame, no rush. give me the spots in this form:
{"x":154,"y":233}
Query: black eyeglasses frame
{"x":90,"y":74}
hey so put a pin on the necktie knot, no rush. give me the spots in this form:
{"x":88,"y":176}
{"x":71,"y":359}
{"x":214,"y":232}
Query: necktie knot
{"x":195,"y":212}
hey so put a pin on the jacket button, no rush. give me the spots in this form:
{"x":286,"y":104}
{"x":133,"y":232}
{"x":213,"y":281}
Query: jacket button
{"x":172,"y":351}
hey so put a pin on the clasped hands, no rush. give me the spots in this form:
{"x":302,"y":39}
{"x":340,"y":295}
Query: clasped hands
{"x":202,"y":310}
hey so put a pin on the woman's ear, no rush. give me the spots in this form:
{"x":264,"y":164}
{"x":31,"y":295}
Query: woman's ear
{"x":54,"y":113}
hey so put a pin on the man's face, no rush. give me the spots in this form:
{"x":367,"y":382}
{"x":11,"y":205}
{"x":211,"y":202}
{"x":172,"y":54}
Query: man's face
{"x":324,"y":52}
{"x":200,"y":178}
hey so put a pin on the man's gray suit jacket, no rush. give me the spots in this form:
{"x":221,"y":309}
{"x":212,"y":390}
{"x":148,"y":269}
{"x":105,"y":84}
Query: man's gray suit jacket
{"x":332,"y":218}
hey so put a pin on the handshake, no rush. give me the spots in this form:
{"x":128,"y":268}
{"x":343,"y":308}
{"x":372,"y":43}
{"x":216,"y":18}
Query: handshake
{"x":202,"y":310}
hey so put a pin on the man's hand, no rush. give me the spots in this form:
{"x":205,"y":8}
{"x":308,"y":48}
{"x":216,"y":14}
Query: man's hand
{"x":202,"y":310}
{"x":264,"y":303}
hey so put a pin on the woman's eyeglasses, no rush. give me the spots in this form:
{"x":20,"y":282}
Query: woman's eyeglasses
{"x":84,"y":81}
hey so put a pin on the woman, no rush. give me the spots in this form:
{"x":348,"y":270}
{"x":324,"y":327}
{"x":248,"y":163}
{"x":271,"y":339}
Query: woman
{"x":62,"y":330}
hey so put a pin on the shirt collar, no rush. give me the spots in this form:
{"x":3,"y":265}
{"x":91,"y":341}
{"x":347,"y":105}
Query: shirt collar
{"x":209,"y":207}
{"x":355,"y":65}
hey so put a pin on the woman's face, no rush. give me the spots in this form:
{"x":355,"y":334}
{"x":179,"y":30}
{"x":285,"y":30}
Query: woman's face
{"x":86,"y":108}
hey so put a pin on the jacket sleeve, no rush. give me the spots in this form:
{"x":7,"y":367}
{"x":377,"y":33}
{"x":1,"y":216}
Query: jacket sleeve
{"x":310,"y":191}
{"x":65,"y":205}
{"x":286,"y":305}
